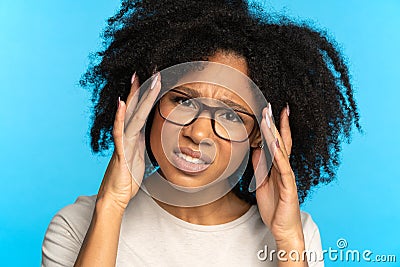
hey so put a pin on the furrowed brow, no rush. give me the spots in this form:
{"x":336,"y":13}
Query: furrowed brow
{"x":195,"y":94}
{"x":234,"y":105}
{"x":188,"y":91}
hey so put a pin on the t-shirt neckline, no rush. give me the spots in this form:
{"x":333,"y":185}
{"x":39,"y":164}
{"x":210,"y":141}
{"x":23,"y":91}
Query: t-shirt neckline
{"x":198,"y":227}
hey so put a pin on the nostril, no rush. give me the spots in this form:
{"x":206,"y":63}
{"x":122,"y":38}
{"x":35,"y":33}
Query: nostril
{"x":207,"y":141}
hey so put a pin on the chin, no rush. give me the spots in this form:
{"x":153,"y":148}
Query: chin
{"x":180,"y":178}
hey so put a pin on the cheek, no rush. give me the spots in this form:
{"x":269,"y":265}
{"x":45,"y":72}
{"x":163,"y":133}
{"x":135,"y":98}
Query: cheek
{"x":162,"y":137}
{"x":155,"y":137}
{"x":232,"y":156}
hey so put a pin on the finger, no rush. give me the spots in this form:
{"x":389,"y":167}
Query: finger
{"x":259,"y":160}
{"x":282,"y":165}
{"x":118,"y":128}
{"x":260,"y":169}
{"x":285,"y":130}
{"x":144,"y":107}
{"x":268,"y":131}
{"x":280,"y":158}
{"x":134,"y":89}
{"x":278,"y":137}
{"x":133,"y":97}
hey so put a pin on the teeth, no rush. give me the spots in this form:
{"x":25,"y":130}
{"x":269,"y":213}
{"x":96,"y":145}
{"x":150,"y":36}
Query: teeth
{"x":190,"y":159}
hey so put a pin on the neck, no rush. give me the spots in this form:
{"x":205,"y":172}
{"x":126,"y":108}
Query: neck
{"x":223,"y":210}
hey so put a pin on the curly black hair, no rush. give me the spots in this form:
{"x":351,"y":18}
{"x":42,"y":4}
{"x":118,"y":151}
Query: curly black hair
{"x":290,"y":62}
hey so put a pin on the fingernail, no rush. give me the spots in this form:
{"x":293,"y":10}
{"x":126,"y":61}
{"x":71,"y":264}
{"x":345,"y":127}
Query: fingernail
{"x":133,"y":77}
{"x":267,"y":120}
{"x":119,"y":101}
{"x":153,"y":83}
{"x":287,"y":109}
{"x":270,"y":109}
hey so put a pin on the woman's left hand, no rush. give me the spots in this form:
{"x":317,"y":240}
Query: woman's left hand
{"x":276,"y":195}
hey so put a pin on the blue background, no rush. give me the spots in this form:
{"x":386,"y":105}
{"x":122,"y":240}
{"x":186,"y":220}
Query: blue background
{"x":45,"y":156}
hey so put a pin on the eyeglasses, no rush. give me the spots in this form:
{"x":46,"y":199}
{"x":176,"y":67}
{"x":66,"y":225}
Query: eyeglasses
{"x":227,"y":123}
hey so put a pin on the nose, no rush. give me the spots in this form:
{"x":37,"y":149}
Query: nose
{"x":200,"y":130}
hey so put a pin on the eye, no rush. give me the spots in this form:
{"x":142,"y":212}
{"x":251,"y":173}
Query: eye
{"x":183,"y":101}
{"x":231,"y":116}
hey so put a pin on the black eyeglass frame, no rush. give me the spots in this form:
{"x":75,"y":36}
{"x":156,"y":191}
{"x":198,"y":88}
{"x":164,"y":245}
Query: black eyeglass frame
{"x":212,"y":110}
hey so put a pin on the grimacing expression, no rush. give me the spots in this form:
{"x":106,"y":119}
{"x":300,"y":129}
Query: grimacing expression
{"x":201,"y":152}
{"x":195,"y":155}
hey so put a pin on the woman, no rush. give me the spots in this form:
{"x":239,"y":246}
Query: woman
{"x":297,"y":69}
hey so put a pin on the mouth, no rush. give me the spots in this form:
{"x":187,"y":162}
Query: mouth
{"x":190,"y":161}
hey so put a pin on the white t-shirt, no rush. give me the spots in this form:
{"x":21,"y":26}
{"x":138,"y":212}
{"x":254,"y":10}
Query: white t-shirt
{"x":150,"y":236}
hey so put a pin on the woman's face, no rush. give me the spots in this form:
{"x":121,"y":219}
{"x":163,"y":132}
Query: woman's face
{"x":194,"y":155}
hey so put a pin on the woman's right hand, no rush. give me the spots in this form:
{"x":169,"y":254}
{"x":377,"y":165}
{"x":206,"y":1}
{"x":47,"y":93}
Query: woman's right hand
{"x":118,"y":185}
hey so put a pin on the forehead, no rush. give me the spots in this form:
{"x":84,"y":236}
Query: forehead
{"x":220,"y":82}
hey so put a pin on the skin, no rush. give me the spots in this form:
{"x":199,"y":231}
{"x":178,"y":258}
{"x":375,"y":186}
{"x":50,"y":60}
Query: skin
{"x":198,"y":136}
{"x":276,"y":196}
{"x":225,"y":209}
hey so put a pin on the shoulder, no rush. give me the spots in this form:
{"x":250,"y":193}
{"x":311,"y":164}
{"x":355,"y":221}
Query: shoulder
{"x":312,"y":239}
{"x":66,"y":231}
{"x":310,"y":228}
{"x":307,"y":221}
{"x":74,"y":218}
{"x":77,"y":215}
{"x":81,"y":205}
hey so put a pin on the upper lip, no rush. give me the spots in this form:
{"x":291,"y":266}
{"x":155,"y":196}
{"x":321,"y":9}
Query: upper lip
{"x":194,"y":154}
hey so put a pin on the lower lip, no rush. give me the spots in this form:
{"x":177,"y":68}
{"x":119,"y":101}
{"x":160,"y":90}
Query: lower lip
{"x":186,"y":166}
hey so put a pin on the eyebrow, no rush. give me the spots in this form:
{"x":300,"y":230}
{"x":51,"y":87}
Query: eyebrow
{"x":228,"y":102}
